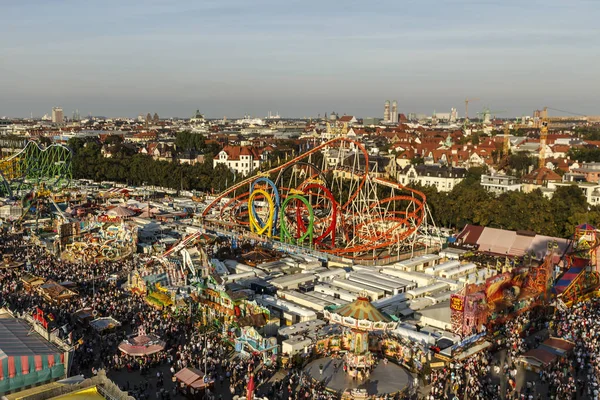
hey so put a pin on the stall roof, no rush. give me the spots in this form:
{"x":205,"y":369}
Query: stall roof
{"x":542,"y":356}
{"x":16,"y":339}
{"x":191,"y":377}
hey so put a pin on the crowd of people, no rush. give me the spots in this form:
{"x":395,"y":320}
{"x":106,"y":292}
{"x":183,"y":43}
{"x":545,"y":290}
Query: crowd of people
{"x":186,"y":344}
{"x":490,"y":375}
{"x":578,"y":374}
{"x":497,"y":374}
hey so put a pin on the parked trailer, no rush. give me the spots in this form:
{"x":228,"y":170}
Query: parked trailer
{"x":388,"y":289}
{"x":459,"y":271}
{"x":427,"y":290}
{"x":416,"y":279}
{"x":336,"y":292}
{"x":304,"y":300}
{"x":387,"y":301}
{"x":327,"y":275}
{"x":373,"y":292}
{"x":437,"y":269}
{"x":417,"y":263}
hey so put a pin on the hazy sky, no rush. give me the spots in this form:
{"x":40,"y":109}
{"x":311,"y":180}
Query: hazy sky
{"x":305,"y":57}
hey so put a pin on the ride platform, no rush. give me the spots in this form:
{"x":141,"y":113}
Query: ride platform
{"x":385,"y":378}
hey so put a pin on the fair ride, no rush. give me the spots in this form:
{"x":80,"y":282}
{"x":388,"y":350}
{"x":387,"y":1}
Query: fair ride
{"x":332,"y":199}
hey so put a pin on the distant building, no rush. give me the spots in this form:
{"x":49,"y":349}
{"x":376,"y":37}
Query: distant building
{"x":241,"y":159}
{"x":499,"y":184}
{"x":453,"y":115}
{"x":386,"y":111}
{"x":591,"y":171}
{"x":155,"y":119}
{"x":197,"y":118}
{"x":394,"y":116}
{"x":348,"y":119}
{"x":57,"y":115}
{"x":443,"y":178}
{"x":371,"y":121}
{"x":538,"y":178}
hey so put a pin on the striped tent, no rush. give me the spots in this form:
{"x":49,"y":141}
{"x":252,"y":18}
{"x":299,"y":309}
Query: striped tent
{"x":26,"y":359}
{"x":361,"y":309}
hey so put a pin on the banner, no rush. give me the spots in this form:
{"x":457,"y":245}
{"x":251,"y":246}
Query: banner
{"x":457,"y":303}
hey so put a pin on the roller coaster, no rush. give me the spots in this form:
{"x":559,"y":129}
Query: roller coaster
{"x":35,"y":165}
{"x":330,"y":198}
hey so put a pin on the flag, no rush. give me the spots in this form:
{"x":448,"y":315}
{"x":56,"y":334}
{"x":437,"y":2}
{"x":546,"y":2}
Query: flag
{"x":250,"y":389}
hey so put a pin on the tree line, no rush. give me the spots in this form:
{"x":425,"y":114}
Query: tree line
{"x":470,"y":203}
{"x":140,"y":169}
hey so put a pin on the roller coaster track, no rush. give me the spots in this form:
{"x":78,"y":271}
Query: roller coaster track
{"x":364,"y":224}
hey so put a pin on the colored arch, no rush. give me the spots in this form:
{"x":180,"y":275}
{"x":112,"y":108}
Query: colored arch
{"x":286,"y":236}
{"x":255,"y":225}
{"x":277,"y":203}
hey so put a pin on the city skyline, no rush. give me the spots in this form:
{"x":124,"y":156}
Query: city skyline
{"x":234,"y":58}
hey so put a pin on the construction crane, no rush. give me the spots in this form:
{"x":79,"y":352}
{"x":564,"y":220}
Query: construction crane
{"x":506,"y":144}
{"x":543,"y":137}
{"x":467,"y":101}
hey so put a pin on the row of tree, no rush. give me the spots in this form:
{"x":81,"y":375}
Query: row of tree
{"x":470,"y":203}
{"x":467,"y":203}
{"x":139,"y":169}
{"x":195,"y":143}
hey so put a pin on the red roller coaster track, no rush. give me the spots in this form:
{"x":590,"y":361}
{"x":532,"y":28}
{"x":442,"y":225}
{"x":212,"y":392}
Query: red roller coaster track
{"x":354,"y":222}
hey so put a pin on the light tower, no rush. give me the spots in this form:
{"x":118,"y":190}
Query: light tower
{"x":395,"y":111}
{"x":386,"y":111}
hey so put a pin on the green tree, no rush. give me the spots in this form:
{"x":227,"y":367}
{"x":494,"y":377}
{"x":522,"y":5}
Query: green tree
{"x":585,"y":154}
{"x":567,"y":202}
{"x":519,"y":163}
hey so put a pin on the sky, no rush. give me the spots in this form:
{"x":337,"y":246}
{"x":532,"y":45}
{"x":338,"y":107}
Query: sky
{"x":298,"y":57}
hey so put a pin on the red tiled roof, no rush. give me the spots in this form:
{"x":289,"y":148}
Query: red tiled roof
{"x":145,"y":135}
{"x":470,"y":234}
{"x":558,"y":343}
{"x":235,"y":152}
{"x":541,"y":175}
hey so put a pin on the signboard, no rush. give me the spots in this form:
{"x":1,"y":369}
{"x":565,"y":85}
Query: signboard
{"x":442,"y":357}
{"x":470,"y":340}
{"x":437,"y":364}
{"x":457,"y":303}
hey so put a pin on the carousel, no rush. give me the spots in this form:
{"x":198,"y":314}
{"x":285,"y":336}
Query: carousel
{"x":361,"y":317}
{"x":353,"y":362}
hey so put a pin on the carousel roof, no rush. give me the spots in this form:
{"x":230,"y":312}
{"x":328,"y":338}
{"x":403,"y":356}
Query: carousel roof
{"x":586,"y":227}
{"x":361,"y":309}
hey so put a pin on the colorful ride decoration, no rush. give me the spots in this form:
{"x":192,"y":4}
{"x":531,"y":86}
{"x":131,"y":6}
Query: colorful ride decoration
{"x":330,"y":198}
{"x":582,"y":276}
{"x":303,"y":230}
{"x":249,"y":341}
{"x":35,"y":165}
{"x":468,"y":310}
{"x":477,"y":308}
{"x":257,"y":225}
{"x":107,"y":242}
{"x":361,"y":317}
